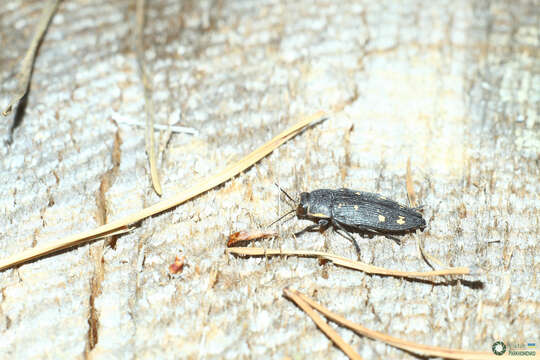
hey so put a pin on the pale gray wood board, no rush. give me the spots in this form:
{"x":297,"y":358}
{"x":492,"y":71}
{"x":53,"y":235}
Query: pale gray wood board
{"x":454,"y":85}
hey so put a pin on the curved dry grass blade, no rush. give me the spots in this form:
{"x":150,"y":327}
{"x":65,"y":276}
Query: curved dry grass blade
{"x":348,"y":263}
{"x":426,"y":256}
{"x":148,"y":102}
{"x":325,"y":328}
{"x":424,"y":350}
{"x":413,"y":203}
{"x":28,"y":61}
{"x":177,"y":199}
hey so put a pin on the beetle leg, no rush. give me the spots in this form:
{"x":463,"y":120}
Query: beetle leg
{"x":308,"y":228}
{"x":375,"y":232}
{"x":347,"y":235}
{"x":392,"y":238}
{"x":366,"y":232}
{"x":321,"y":225}
{"x":371,"y":233}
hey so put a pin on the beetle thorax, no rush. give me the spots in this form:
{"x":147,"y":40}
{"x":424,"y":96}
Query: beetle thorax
{"x":313,"y":206}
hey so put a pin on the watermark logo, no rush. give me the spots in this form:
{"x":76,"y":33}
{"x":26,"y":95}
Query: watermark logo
{"x":498,"y":348}
{"x":514,"y":349}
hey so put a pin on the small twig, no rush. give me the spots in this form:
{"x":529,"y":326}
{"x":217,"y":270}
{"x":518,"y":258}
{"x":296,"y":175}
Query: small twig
{"x":148,"y":102}
{"x":175,"y":200}
{"x":173,"y":128}
{"x":249,"y":235}
{"x":420,"y":349}
{"x":348,"y":263}
{"x":27,"y":64}
{"x":325,"y":328}
{"x":409,"y":184}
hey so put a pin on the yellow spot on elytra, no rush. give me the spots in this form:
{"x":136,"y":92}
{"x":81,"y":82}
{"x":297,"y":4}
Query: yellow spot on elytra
{"x":355,"y":207}
{"x":340,"y":205}
{"x":358,"y":193}
{"x":401,"y":220}
{"x":382,"y":218}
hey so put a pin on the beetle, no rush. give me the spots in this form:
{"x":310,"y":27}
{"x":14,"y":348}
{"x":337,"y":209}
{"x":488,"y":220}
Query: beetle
{"x":362,"y":212}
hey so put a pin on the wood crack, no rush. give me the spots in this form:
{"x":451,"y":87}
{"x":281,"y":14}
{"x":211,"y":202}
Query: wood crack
{"x":97,"y":250}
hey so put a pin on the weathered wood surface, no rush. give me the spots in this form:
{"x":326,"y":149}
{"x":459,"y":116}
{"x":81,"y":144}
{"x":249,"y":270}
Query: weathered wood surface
{"x":454,"y":85}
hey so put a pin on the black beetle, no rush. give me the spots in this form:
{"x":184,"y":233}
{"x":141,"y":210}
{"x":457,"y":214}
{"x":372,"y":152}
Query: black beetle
{"x":357,"y":211}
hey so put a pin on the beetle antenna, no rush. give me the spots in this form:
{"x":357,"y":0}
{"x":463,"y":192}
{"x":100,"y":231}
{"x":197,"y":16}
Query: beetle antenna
{"x":287,"y":195}
{"x":281,"y":217}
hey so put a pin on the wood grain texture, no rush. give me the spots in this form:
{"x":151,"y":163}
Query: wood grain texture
{"x":451,"y":84}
